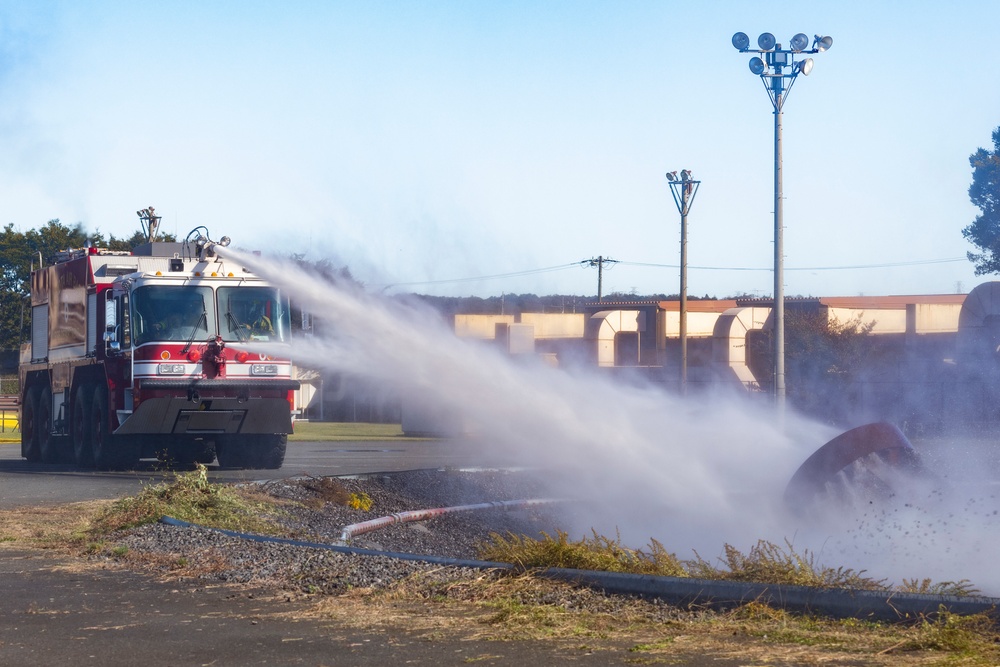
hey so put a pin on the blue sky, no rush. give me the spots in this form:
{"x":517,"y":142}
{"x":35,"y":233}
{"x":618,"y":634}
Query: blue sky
{"x":432,"y":141}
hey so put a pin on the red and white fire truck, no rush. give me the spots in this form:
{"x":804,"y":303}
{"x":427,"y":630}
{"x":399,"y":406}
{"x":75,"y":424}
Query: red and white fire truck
{"x":170,"y":351}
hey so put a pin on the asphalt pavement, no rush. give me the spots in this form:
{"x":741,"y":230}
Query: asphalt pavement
{"x":57,"y":613}
{"x":23,"y":483}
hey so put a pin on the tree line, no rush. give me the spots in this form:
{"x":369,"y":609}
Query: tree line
{"x":20,"y":252}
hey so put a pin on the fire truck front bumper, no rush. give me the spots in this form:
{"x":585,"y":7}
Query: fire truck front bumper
{"x":211,"y":408}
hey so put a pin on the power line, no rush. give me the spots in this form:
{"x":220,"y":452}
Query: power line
{"x":887,"y":265}
{"x":601,"y":262}
{"x":494,"y":276}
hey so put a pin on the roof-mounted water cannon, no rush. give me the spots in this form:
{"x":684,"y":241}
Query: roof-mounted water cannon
{"x":205,"y":246}
{"x":150,"y":222}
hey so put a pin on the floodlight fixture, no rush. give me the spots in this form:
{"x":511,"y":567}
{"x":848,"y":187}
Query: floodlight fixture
{"x":671,"y":176}
{"x":741,"y":41}
{"x":757,"y":66}
{"x":766,"y":41}
{"x":822,"y":43}
{"x":685,"y":174}
{"x":799,"y":42}
{"x":805,"y":66}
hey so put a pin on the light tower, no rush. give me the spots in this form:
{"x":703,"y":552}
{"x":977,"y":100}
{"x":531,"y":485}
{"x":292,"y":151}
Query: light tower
{"x":778,"y":69}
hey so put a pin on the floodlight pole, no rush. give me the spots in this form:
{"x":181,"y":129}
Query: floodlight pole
{"x":780,"y":67}
{"x":683,"y":190}
{"x":777,"y":97}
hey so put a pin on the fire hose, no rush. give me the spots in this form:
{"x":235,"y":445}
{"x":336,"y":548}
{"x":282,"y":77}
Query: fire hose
{"x":421,"y":515}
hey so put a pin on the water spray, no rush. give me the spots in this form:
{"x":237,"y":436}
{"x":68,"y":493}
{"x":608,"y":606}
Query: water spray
{"x":692,"y":474}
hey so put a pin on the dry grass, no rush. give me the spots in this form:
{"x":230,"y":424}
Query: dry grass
{"x":958,"y":588}
{"x":766,"y":562}
{"x":593,"y":553}
{"x":500,"y":607}
{"x":50,"y":526}
{"x":342,"y":431}
{"x":329,"y":489}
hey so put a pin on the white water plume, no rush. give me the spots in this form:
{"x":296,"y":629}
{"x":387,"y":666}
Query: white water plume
{"x":693,"y":474}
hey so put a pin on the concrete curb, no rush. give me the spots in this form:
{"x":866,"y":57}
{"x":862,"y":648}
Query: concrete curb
{"x":834,"y":602}
{"x":685,"y":592}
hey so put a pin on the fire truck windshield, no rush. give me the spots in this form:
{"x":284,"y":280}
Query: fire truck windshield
{"x":172,"y":312}
{"x":253,"y":314}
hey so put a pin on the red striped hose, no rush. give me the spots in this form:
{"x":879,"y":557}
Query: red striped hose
{"x":420,"y":515}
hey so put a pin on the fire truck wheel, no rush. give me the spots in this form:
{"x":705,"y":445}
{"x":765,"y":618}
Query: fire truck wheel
{"x":83,"y":453}
{"x":185,"y":454}
{"x":29,"y":434}
{"x":204,"y":453}
{"x":268,"y":451}
{"x":43,"y":425}
{"x":233,"y":451}
{"x":110,"y":453}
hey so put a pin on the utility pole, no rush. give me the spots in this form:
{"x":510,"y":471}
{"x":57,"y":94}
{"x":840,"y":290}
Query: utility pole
{"x":599,"y":262}
{"x":683,"y":189}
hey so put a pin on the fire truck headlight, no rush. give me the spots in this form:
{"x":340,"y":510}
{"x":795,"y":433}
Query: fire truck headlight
{"x":263,"y":369}
{"x":170,"y":369}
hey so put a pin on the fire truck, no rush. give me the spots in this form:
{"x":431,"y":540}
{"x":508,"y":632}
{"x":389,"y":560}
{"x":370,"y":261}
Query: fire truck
{"x":169,"y":351}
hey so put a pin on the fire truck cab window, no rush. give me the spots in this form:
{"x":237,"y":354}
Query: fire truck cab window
{"x":253,"y":314}
{"x":172,"y":312}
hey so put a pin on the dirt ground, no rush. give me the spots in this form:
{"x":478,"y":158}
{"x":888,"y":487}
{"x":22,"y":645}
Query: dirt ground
{"x":60,"y":605}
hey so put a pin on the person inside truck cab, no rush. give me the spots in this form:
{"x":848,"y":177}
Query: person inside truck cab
{"x":259,"y":323}
{"x":169,"y":327}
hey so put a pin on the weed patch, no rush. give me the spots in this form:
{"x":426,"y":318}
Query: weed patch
{"x":767,"y":562}
{"x":327,"y":490}
{"x":589,"y":553}
{"x":189,"y":497}
{"x":959,"y":588}
{"x":954,"y":633}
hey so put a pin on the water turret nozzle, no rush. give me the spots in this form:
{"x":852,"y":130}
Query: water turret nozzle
{"x":205,"y":246}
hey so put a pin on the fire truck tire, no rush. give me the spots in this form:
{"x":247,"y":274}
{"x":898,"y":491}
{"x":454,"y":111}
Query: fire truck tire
{"x":100,"y":437}
{"x":110,"y":453}
{"x":186,"y":454}
{"x":268,"y":451}
{"x":83,"y":453}
{"x":233,"y":452}
{"x":204,"y":453}
{"x":29,"y":434}
{"x":47,"y":445}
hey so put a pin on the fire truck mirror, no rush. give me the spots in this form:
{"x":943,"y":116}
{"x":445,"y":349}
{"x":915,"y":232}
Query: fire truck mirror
{"x":110,"y":313}
{"x":111,"y":343}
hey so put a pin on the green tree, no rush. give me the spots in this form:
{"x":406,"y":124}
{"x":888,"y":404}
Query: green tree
{"x":823,"y":358}
{"x":20,"y":252}
{"x":984,"y":232}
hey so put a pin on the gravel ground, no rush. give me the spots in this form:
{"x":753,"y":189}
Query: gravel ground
{"x":315,"y":510}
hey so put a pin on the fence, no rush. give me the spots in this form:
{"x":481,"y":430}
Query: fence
{"x":9,"y":391}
